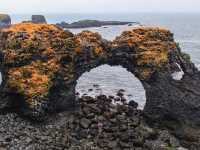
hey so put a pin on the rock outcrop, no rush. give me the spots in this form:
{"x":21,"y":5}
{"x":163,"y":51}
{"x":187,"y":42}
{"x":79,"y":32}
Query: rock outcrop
{"x":38,"y":19}
{"x":40,"y":65}
{"x":31,"y":64}
{"x":92,"y":23}
{"x":5,"y":20}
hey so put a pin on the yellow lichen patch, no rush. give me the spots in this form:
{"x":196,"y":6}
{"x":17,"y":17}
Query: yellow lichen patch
{"x":48,"y":52}
{"x":10,"y":56}
{"x":78,"y":47}
{"x":28,"y":36}
{"x":156,"y":54}
{"x":150,"y":46}
{"x":30,"y":28}
{"x":90,"y":40}
{"x":78,"y":50}
{"x":89,"y":36}
{"x":33,"y":80}
{"x":145,"y":73}
{"x":98,"y":50}
{"x":152,"y":58}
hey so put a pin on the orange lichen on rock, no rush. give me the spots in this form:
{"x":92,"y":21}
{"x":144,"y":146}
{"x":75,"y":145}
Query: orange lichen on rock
{"x":151,"y":47}
{"x":98,"y":50}
{"x":88,"y":39}
{"x":31,"y":28}
{"x":25,"y":40}
{"x":32,"y":53}
{"x":32,"y":80}
{"x":39,"y":58}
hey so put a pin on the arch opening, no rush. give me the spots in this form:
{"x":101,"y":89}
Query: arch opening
{"x":110,"y":80}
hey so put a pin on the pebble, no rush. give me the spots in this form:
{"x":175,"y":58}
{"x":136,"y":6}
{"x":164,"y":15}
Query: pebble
{"x":85,"y":123}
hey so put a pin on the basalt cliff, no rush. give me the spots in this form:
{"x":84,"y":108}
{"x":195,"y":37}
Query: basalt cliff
{"x":40,"y":65}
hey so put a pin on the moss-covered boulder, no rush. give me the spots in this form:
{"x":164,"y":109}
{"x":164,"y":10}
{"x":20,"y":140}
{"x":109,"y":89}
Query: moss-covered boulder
{"x":5,"y":20}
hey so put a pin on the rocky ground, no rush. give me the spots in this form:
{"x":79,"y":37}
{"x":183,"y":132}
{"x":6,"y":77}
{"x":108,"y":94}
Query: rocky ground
{"x":97,"y":124}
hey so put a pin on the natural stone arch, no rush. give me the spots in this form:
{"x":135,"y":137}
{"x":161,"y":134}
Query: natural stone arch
{"x":109,"y":80}
{"x":41,"y":64}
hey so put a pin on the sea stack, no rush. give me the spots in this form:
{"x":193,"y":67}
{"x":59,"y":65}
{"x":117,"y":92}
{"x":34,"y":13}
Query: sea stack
{"x":5,"y":20}
{"x":39,"y":19}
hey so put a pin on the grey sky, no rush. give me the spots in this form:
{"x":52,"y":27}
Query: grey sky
{"x":98,"y":6}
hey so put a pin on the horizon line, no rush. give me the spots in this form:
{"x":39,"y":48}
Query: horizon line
{"x":79,"y":13}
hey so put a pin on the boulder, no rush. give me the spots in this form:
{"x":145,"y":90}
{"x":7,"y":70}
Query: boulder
{"x":31,"y":65}
{"x":5,"y":20}
{"x":38,"y":19}
{"x":41,"y":63}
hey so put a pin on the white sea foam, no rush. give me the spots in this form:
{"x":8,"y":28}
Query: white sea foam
{"x":178,"y":75}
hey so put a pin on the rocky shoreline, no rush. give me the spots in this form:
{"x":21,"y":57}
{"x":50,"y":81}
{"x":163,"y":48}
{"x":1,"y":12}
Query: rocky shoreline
{"x":96,"y":124}
{"x":40,"y":66}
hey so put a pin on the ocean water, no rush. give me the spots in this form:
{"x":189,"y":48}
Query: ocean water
{"x":186,"y":29}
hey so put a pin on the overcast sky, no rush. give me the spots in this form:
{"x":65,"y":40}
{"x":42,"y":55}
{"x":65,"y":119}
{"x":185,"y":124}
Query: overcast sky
{"x":98,"y":6}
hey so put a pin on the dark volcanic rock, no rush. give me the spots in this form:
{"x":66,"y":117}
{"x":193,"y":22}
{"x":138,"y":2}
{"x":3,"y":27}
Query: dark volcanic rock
{"x":31,"y":66}
{"x":38,"y":19}
{"x":111,"y":128}
{"x":85,"y":123}
{"x":5,"y":20}
{"x":91,"y":23}
{"x":133,"y":104}
{"x":116,"y":129}
{"x":41,"y":63}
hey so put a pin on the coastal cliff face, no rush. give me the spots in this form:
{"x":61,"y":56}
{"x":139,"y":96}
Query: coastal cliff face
{"x":40,"y":65}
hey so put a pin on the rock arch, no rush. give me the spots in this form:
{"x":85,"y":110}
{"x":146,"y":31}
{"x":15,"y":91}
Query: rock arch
{"x":111,"y":80}
{"x":41,"y":63}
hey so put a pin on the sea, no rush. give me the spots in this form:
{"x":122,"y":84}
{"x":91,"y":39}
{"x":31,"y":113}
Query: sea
{"x":109,"y":80}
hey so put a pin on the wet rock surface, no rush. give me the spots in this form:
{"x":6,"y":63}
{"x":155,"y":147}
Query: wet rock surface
{"x":96,"y":124}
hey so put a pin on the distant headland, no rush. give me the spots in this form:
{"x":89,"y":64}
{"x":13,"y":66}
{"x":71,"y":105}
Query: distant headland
{"x":93,"y":23}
